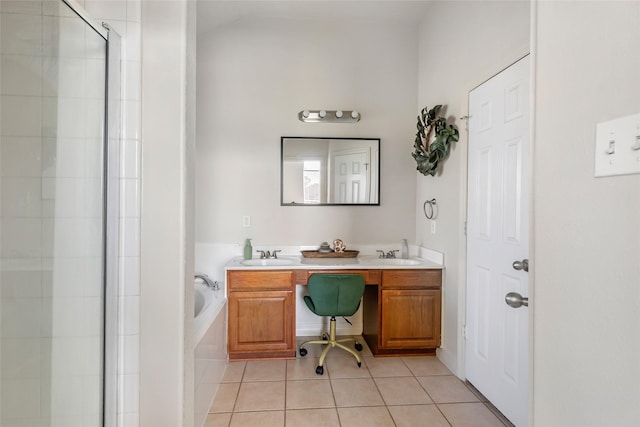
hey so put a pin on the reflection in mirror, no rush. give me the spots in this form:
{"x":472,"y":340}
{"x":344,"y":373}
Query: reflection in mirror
{"x":329,"y":171}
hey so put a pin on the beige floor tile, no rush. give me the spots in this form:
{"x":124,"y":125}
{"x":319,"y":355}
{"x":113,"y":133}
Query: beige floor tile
{"x":225,"y":398}
{"x":314,"y":350}
{"x":342,"y":367}
{"x":233,"y":373}
{"x":265,"y":370}
{"x":418,"y":415}
{"x":402,"y":391}
{"x":387,"y":367}
{"x":304,"y":368}
{"x":309,"y":394}
{"x":422,"y":366}
{"x":312,"y":418}
{"x":261,"y":396}
{"x":469,"y":415}
{"x":258,"y":419}
{"x":447,"y":389}
{"x":365,"y":417}
{"x":217,"y":420}
{"x":356,"y":392}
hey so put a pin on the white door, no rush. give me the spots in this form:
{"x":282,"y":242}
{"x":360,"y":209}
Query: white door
{"x":351,"y":177}
{"x":496,"y":355}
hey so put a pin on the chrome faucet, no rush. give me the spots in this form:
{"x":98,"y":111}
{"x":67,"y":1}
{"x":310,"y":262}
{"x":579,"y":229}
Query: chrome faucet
{"x":207,"y":281}
{"x":267,"y":254}
{"x":387,"y":255}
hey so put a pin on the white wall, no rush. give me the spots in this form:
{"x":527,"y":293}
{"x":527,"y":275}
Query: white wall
{"x":587,"y":234}
{"x":166,"y":265}
{"x":254,"y":76}
{"x":462,"y":44}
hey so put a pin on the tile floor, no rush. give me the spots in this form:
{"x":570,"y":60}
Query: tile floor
{"x":390,"y":391}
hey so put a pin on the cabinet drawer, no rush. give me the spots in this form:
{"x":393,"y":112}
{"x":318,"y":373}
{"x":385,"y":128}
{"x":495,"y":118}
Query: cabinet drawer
{"x":259,"y":280}
{"x":399,"y":279}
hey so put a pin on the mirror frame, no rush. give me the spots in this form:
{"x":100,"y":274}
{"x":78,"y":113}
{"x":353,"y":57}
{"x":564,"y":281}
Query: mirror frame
{"x":282,"y":163}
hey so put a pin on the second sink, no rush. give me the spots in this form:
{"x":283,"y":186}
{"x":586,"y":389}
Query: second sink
{"x":267,"y":262}
{"x":390,"y":261}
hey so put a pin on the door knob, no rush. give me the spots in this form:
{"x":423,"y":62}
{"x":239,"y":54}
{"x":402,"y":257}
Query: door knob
{"x":515,"y":300}
{"x":521,"y":265}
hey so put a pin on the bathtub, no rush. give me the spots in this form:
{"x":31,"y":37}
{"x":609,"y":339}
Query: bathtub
{"x":210,"y":350}
{"x":208,"y":304}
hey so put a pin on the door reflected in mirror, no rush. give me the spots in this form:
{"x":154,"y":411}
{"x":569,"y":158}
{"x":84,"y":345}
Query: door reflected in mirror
{"x":329,"y":171}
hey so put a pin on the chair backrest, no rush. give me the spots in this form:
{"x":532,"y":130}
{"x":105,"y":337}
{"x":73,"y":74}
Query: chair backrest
{"x":335,"y":294}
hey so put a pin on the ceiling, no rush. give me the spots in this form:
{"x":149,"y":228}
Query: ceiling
{"x":214,"y":13}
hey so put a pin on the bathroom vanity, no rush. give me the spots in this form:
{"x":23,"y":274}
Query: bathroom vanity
{"x":401,"y":306}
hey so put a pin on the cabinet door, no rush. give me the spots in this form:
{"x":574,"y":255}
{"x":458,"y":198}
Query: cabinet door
{"x":261,"y":321}
{"x":410,"y":318}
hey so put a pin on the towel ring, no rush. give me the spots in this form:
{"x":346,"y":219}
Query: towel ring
{"x":432,"y":210}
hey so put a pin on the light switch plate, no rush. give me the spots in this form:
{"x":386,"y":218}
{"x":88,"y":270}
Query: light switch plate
{"x":618,"y":146}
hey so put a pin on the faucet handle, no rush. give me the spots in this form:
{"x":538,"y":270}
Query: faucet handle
{"x":262,"y":254}
{"x":392,"y":254}
{"x":274,"y":254}
{"x":381,"y":253}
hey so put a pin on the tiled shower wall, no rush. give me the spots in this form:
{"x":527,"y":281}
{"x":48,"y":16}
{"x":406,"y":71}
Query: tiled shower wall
{"x":27,"y":18}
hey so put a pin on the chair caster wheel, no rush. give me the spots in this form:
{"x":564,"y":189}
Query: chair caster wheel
{"x":303,"y":352}
{"x":358,"y":346}
{"x":320,"y":370}
{"x":359,"y":364}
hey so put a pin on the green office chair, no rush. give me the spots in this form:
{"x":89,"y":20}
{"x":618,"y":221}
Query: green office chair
{"x":333,"y":295}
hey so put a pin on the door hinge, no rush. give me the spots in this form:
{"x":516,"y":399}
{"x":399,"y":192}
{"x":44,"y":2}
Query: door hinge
{"x":464,"y":332}
{"x":465,"y":228}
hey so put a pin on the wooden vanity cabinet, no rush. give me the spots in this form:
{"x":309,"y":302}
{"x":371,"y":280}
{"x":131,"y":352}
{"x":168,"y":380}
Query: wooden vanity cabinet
{"x":409,"y":310}
{"x":261,"y":314}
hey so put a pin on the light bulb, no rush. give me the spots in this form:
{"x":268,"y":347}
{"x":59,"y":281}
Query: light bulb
{"x":354,"y":114}
{"x":339,"y":113}
{"x":322,"y":114}
{"x":305,"y":114}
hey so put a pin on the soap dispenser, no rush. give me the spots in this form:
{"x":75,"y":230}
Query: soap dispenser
{"x":248,"y":250}
{"x":404,"y":253}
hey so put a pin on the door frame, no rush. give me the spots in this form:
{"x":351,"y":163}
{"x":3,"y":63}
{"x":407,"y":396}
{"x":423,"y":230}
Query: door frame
{"x":462,"y":299}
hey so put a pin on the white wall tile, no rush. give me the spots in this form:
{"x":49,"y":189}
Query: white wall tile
{"x":21,"y":34}
{"x":20,"y":318}
{"x":131,"y":120}
{"x":21,"y":75}
{"x":130,"y":393}
{"x":22,"y":7}
{"x":134,"y":11}
{"x":107,"y":10}
{"x":21,"y":116}
{"x":131,"y":82}
{"x":20,"y":284}
{"x":21,"y":156}
{"x":130,"y":198}
{"x":21,"y":197}
{"x":130,"y":158}
{"x":132,"y":51}
{"x":23,"y":399}
{"x":129,"y":276}
{"x":130,"y":354}
{"x":20,"y":357}
{"x":130,"y":319}
{"x":130,"y":237}
{"x":21,"y":238}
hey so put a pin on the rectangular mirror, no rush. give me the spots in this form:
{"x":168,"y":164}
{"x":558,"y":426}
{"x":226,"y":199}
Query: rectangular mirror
{"x":329,"y":171}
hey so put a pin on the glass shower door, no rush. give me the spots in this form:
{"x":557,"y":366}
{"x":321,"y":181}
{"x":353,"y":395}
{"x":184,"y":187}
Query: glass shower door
{"x":52,"y":236}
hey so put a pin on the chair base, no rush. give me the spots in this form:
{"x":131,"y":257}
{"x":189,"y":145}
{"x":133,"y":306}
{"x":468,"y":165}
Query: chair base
{"x":330,"y":343}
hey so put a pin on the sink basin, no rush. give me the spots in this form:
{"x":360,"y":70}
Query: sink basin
{"x":391,"y":261}
{"x":268,"y":262}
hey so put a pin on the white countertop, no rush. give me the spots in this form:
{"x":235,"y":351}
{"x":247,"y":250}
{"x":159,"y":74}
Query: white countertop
{"x":297,"y":262}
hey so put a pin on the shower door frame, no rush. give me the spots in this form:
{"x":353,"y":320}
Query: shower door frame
{"x":111,"y":211}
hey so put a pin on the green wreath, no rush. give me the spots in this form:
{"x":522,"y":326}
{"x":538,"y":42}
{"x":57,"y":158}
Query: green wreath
{"x":428,"y":153}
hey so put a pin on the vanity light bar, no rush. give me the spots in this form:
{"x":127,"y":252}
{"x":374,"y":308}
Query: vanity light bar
{"x":329,"y":116}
